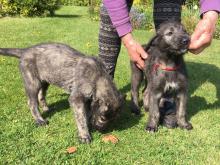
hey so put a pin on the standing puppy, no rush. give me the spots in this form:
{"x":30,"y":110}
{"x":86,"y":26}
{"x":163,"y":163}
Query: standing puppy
{"x":165,"y":74}
{"x":93,"y":95}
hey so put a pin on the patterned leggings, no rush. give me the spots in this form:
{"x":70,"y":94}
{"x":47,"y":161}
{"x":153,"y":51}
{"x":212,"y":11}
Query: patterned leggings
{"x":110,"y":42}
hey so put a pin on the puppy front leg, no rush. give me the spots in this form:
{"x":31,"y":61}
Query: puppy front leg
{"x":154,"y":113}
{"x":181,"y":111}
{"x":77,"y":102}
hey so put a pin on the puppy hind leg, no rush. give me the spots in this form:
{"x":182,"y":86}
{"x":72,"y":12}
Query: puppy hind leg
{"x":136,"y":79}
{"x":42,"y":97}
{"x":32,"y":87}
{"x":32,"y":93}
{"x":79,"y":107}
{"x":146,"y":98}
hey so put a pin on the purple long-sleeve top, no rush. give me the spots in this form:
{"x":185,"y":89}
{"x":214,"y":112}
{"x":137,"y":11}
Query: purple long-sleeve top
{"x":118,"y":12}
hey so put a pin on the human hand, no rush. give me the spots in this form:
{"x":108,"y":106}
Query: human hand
{"x":203,"y":33}
{"x":135,"y":50}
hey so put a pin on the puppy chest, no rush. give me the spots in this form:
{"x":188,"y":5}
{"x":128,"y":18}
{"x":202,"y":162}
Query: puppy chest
{"x":171,"y":86}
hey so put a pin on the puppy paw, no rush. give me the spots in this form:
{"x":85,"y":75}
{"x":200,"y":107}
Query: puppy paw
{"x":135,"y":109}
{"x":40,"y":122}
{"x":46,"y":109}
{"x":151,"y":129}
{"x":187,"y":126}
{"x":146,"y":108}
{"x":85,"y":139}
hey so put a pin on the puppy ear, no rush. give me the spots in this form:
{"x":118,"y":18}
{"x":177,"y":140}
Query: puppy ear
{"x":153,"y":41}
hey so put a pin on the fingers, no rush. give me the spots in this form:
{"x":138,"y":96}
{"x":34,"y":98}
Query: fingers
{"x":202,"y":36}
{"x":139,"y":66}
{"x":197,"y":46}
{"x":197,"y":33}
{"x":135,"y":50}
{"x":142,"y":52}
{"x":140,"y":63}
{"x":137,"y":54}
{"x":141,"y":55}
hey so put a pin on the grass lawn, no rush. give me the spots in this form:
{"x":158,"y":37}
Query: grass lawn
{"x":21,"y":142}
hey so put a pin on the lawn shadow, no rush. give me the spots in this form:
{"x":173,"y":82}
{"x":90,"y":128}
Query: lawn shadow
{"x":60,"y":105}
{"x":66,"y":16}
{"x":126,"y":88}
{"x":199,"y":73}
{"x":124,"y":121}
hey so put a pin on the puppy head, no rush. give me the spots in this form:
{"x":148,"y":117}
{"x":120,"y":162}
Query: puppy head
{"x":103,"y":112}
{"x":172,"y":37}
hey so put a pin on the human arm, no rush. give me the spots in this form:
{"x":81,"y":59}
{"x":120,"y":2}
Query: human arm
{"x":118,"y":11}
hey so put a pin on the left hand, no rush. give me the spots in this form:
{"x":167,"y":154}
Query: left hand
{"x":203,"y":33}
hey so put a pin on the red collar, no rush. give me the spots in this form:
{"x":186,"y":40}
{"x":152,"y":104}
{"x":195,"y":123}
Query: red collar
{"x":169,"y":69}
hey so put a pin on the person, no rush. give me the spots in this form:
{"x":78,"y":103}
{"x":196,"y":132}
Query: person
{"x":115,"y":28}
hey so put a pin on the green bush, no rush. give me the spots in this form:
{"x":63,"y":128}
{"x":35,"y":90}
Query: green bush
{"x":217,"y":31}
{"x":190,"y":18}
{"x":94,"y":9}
{"x":191,"y":3}
{"x":28,"y":7}
{"x":141,"y":17}
{"x":76,"y":2}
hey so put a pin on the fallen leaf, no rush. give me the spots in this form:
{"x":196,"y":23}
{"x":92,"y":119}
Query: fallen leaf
{"x":71,"y":150}
{"x":110,"y":138}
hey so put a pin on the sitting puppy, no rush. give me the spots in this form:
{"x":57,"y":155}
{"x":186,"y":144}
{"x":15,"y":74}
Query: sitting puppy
{"x":93,"y":96}
{"x":165,"y":75}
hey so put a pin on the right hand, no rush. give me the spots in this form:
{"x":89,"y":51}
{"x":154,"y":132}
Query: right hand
{"x":203,"y":34}
{"x":135,"y":50}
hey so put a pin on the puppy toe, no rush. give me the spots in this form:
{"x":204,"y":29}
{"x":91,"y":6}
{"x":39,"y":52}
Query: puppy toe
{"x":187,"y":126}
{"x":135,"y":110}
{"x":46,"y":109}
{"x":151,"y":129}
{"x":85,"y":139}
{"x":40,"y":122}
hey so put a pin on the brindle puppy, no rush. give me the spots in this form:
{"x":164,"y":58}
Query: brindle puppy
{"x":165,"y":74}
{"x":93,"y":96}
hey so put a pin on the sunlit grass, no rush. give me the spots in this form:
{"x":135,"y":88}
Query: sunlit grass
{"x":21,"y":142}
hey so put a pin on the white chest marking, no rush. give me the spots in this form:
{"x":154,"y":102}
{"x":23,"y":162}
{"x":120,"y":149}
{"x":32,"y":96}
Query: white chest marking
{"x":171,"y":86}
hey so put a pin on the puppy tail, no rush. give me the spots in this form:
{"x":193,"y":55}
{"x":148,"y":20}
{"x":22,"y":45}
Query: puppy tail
{"x":14,"y":52}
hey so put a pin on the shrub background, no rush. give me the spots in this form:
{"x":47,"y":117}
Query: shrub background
{"x":76,"y":2}
{"x":28,"y":7}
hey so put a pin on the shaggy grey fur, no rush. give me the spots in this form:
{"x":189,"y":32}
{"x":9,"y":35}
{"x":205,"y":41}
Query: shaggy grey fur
{"x":93,"y":96}
{"x":166,"y":48}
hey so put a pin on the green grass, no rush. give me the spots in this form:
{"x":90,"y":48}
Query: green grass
{"x":21,"y":142}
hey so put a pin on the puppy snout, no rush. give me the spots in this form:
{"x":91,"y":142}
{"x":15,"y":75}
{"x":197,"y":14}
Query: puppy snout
{"x":185,"y":40}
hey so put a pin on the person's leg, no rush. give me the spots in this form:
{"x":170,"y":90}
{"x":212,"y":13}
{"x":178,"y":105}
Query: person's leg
{"x":165,"y":10}
{"x":109,"y":41}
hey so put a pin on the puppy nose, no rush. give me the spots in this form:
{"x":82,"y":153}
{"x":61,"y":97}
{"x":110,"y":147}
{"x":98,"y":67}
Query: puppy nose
{"x":185,"y":40}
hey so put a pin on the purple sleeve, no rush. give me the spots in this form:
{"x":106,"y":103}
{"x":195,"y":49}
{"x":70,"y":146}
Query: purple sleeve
{"x":207,"y":5}
{"x":118,"y":12}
